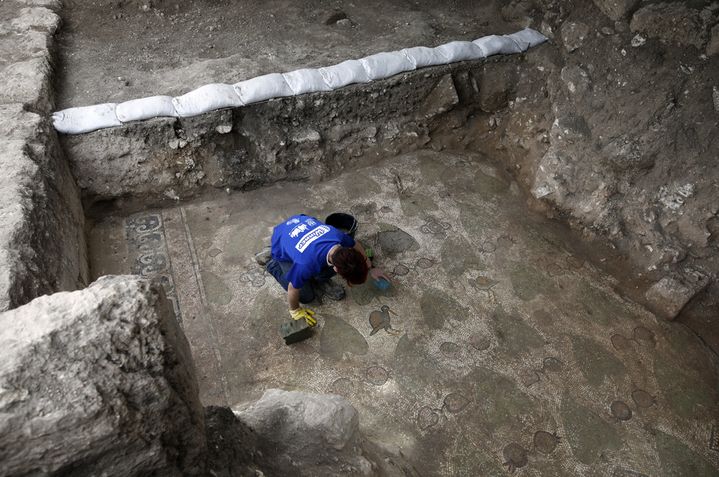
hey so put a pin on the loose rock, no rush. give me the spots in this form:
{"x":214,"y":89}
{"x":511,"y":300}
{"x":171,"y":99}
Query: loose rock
{"x":573,"y":35}
{"x":638,"y":40}
{"x":668,"y":296}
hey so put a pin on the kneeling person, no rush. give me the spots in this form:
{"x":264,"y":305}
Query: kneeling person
{"x":306,"y":254}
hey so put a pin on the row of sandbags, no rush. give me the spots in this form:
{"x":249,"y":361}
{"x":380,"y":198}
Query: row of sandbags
{"x":217,"y":96}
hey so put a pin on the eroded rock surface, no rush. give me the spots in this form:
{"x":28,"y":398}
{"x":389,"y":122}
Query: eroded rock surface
{"x":620,"y":153}
{"x":98,"y":382}
{"x":308,"y":434}
{"x":673,"y":22}
{"x":42,"y":242}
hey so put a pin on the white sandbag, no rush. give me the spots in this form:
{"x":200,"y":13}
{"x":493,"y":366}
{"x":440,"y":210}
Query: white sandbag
{"x":347,"y":72}
{"x":460,"y":51}
{"x":495,"y":44}
{"x":529,"y":37}
{"x":306,"y":80}
{"x":384,"y":65}
{"x":422,"y":56}
{"x":205,"y":99}
{"x":262,"y":88}
{"x":145,"y":108}
{"x":85,"y":119}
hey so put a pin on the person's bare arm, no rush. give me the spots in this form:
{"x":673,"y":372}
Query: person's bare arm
{"x":375,"y":273}
{"x":358,"y":246}
{"x":293,"y":297}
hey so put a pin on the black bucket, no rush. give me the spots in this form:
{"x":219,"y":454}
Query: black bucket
{"x":344,"y":222}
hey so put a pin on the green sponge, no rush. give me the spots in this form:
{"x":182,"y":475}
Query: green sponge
{"x":294,"y":331}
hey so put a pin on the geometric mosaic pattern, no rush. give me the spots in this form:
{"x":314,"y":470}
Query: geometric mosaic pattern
{"x":148,"y":253}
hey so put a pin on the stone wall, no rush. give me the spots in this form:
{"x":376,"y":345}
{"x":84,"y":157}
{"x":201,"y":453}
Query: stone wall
{"x":99,"y":382}
{"x":42,"y":244}
{"x":310,"y":136}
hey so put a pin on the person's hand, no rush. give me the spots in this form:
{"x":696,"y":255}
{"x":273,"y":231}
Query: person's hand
{"x":304,"y":314}
{"x":377,"y":273}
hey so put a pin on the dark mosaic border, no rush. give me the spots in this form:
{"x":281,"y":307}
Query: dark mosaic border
{"x":150,"y":258}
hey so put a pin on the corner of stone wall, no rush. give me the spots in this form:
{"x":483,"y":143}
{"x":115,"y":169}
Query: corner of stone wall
{"x":99,"y":381}
{"x":42,"y":243}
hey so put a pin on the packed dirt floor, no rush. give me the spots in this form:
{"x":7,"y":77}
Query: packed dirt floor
{"x":116,"y":50}
{"x":500,"y":346}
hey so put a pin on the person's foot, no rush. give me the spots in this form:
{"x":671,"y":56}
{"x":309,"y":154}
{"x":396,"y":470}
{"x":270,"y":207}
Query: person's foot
{"x":329,"y":289}
{"x":263,"y":257}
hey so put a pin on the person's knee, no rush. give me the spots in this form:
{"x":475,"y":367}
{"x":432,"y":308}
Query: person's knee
{"x":274,"y":268}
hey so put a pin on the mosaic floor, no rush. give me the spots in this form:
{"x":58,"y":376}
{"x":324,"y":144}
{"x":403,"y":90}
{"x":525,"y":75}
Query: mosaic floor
{"x":496,"y":350}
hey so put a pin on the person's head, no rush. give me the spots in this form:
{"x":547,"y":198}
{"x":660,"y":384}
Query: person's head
{"x":351,"y":265}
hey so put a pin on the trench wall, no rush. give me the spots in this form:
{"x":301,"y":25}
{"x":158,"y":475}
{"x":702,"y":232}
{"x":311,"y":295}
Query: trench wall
{"x":613,"y":128}
{"x":42,"y":241}
{"x":309,"y":136}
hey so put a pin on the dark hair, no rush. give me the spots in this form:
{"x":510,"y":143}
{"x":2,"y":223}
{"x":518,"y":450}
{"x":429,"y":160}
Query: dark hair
{"x":351,"y":265}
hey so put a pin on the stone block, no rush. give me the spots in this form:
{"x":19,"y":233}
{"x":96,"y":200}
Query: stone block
{"x":41,"y":218}
{"x":19,"y":171}
{"x":441,"y":99}
{"x":18,"y":124}
{"x":318,"y":434}
{"x":27,"y":82}
{"x":99,"y":382}
{"x":36,"y":18}
{"x":668,"y":296}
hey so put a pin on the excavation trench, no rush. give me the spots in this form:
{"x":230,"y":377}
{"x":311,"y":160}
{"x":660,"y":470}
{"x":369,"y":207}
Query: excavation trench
{"x":504,"y":327}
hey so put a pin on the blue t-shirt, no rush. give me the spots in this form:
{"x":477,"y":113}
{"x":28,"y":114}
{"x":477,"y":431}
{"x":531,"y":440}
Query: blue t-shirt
{"x":305,"y":241}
